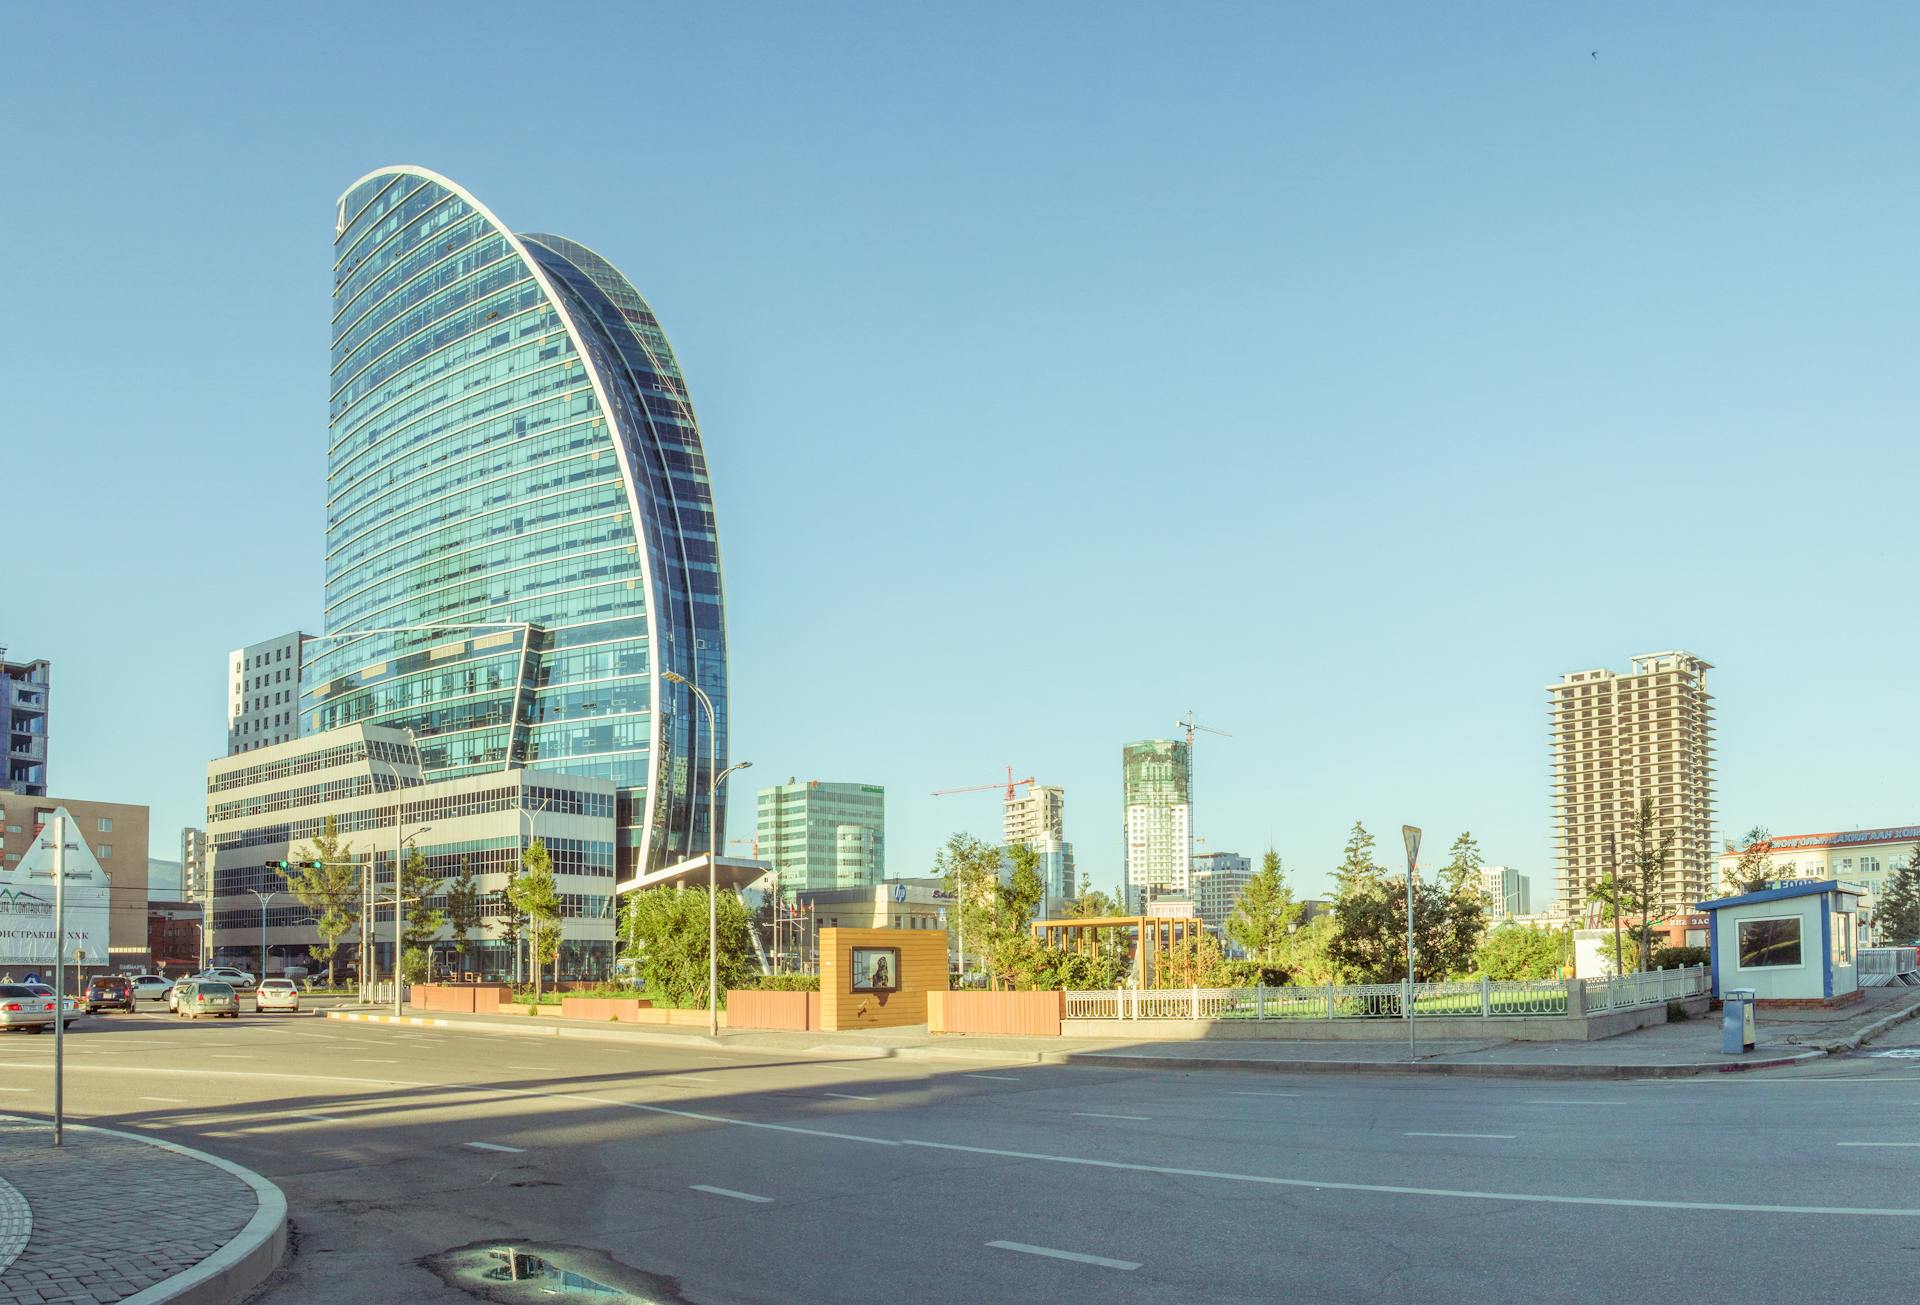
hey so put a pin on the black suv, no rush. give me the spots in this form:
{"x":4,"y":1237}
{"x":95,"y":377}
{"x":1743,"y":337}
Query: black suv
{"x":109,"y":990}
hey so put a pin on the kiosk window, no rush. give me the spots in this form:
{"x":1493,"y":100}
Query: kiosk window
{"x":1769,"y":942}
{"x":1843,"y":937}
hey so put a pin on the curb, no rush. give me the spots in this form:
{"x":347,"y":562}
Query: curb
{"x":231,"y":1273}
{"x":1871,"y":1031}
{"x":387,"y":1019}
{"x":1465,"y":1069}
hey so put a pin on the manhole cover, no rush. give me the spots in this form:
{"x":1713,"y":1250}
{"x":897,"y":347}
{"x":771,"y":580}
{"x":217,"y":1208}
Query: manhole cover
{"x":512,"y":1272}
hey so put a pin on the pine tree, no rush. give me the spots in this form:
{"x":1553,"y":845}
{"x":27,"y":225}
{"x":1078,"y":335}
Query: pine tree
{"x":1466,"y":908}
{"x":1265,"y":913}
{"x":1897,"y":914}
{"x":463,"y":908}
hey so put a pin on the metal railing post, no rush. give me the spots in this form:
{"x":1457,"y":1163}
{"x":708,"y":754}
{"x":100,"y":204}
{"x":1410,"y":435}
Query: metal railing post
{"x":1486,"y":998}
{"x":1196,"y":1001}
{"x":1260,"y":1002}
{"x":1329,"y":1001}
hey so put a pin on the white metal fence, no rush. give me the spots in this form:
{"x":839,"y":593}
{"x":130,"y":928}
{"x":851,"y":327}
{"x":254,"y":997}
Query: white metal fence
{"x":1882,"y":967}
{"x":1482,"y":998}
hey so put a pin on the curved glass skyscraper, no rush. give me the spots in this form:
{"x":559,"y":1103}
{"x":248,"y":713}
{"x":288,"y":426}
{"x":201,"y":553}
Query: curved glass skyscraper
{"x":520,"y":528}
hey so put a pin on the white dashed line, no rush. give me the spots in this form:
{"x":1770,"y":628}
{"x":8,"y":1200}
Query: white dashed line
{"x":1577,"y":1103}
{"x":1095,"y":1114}
{"x":325,"y":1119}
{"x":1496,"y":1137}
{"x":172,"y":1101}
{"x":1877,"y":1143}
{"x":495,"y":1146}
{"x":376,"y":1062}
{"x":684,"y":1078}
{"x":998,"y":1078}
{"x":1266,"y":1094}
{"x":1075,"y":1256}
{"x":729,"y":1192}
{"x":843,"y":1096}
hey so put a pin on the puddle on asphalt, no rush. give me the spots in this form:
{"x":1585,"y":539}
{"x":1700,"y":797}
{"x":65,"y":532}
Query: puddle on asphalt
{"x":513,"y":1272}
{"x":518,"y":1266}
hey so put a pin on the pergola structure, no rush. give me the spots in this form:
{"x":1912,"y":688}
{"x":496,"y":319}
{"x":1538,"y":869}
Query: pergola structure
{"x":1147,"y":937}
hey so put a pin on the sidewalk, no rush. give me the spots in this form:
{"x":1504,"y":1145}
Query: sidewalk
{"x":114,"y":1216}
{"x":1783,"y":1037}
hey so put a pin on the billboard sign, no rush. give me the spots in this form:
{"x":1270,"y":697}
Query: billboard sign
{"x":26,"y":902}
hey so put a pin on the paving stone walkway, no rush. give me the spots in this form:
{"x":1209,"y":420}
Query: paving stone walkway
{"x":103,"y":1217}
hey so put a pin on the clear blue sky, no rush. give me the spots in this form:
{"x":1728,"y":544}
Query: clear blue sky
{"x":1345,"y":372}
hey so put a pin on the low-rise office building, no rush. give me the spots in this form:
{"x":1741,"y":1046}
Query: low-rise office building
{"x":263,"y":692}
{"x":267,"y":805}
{"x":1217,"y":880}
{"x":24,"y":690}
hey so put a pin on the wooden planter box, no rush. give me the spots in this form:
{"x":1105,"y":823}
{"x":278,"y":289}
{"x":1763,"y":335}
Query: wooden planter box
{"x":625,"y":1010}
{"x":1028,"y":1014}
{"x":751,"y":1008}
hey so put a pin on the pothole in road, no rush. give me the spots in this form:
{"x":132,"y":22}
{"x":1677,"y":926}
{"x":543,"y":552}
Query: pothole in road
{"x":512,"y":1272}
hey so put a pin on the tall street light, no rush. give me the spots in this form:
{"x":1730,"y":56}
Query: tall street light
{"x":713,"y":850}
{"x":264,"y":899}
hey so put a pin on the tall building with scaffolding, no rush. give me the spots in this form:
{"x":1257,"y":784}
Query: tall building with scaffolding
{"x":1156,"y":779}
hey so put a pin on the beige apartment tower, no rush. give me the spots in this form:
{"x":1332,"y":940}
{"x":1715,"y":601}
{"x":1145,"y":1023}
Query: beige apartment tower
{"x":1617,"y":739}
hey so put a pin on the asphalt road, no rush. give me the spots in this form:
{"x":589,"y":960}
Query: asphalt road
{"x":747,"y":1178}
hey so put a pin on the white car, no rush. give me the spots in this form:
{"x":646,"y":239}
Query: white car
{"x":276,"y":994}
{"x":151,"y":987}
{"x":75,"y":1006}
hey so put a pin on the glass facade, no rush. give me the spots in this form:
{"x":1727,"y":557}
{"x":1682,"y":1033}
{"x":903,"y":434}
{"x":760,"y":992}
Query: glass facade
{"x":512,"y":448}
{"x":821,"y":836}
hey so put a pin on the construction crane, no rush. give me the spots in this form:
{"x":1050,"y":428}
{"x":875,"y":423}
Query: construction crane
{"x":1189,"y":724}
{"x":1010,"y":784}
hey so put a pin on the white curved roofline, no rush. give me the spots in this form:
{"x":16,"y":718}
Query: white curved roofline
{"x":607,"y":411}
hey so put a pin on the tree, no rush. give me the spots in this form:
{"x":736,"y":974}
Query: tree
{"x":1369,"y":939}
{"x":418,"y":884}
{"x":1513,"y":951}
{"x":324,"y":879}
{"x":1306,"y":954}
{"x":1647,"y":867}
{"x":1617,"y":898}
{"x":1897,"y":914}
{"x":968,"y":868}
{"x":1011,"y":904}
{"x":665,"y":930}
{"x":1092,"y":904}
{"x":1754,"y":868}
{"x":534,"y":895}
{"x":1265,"y":913}
{"x":463,"y":908}
{"x":513,"y":921}
{"x":1466,"y":906}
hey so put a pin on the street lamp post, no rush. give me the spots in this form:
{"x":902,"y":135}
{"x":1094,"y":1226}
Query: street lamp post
{"x":264,"y":899}
{"x":1410,"y":834}
{"x":713,"y":850}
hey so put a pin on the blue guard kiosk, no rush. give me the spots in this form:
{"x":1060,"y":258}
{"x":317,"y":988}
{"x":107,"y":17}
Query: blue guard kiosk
{"x":1794,"y":943}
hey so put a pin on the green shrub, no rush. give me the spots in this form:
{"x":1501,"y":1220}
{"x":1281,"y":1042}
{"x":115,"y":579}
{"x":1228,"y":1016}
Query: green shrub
{"x":787,"y":983}
{"x":1673,"y":958}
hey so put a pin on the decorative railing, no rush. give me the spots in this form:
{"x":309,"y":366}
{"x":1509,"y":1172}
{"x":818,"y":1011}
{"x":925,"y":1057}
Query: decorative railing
{"x":1473,"y":998}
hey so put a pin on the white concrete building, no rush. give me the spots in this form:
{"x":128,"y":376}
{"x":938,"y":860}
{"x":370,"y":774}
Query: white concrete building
{"x":1619,"y":739}
{"x":1508,"y":892}
{"x":263,"y":692}
{"x":266,"y":806}
{"x":1216,"y":880}
{"x":1866,"y":857}
{"x":1158,"y":837}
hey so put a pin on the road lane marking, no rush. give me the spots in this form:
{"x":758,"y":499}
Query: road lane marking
{"x":221,"y":1057}
{"x":1385,"y":1189}
{"x":1877,"y":1143}
{"x":684,"y":1078}
{"x":844,"y":1096}
{"x":495,"y":1146}
{"x":13,"y":1089}
{"x":325,"y":1119}
{"x":1095,"y":1114}
{"x":728,"y":1191}
{"x":1496,"y":1137}
{"x":172,"y":1101}
{"x":1266,"y":1094}
{"x":1577,"y":1103}
{"x":1075,"y":1256}
{"x":998,"y":1078}
{"x":376,"y":1062}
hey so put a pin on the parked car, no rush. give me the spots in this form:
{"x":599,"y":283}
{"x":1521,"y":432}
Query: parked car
{"x":239,"y":980}
{"x":276,"y":994}
{"x":76,"y":1006}
{"x":196,"y":997}
{"x":151,"y":987}
{"x":23,"y":1008}
{"x":106,"y":991}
